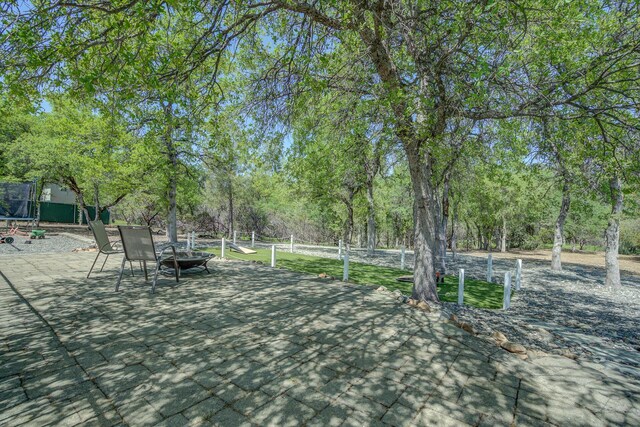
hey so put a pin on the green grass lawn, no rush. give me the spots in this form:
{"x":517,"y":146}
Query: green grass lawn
{"x":477,"y":293}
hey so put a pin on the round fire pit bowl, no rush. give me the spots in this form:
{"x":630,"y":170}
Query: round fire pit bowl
{"x":188,"y":259}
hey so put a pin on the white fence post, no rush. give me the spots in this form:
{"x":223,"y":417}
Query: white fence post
{"x":518,"y":274}
{"x":461,"y":287}
{"x":193,"y":240}
{"x":235,"y":236}
{"x":489,"y":268}
{"x":273,"y":255}
{"x":292,"y":243}
{"x":253,"y":239}
{"x":223,"y":248}
{"x":340,"y":249}
{"x":402,"y":258}
{"x":506,"y":302}
{"x":345,"y":271}
{"x":188,"y":242}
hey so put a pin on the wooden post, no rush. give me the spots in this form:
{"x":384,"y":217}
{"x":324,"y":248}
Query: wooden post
{"x":345,"y":271}
{"x":273,"y":255}
{"x":506,"y":301}
{"x":339,"y":249}
{"x":223,"y":248}
{"x":461,"y":287}
{"x":292,"y":243}
{"x":253,"y":239}
{"x":235,"y":236}
{"x":518,"y":274}
{"x":402,"y":258}
{"x":489,"y":268}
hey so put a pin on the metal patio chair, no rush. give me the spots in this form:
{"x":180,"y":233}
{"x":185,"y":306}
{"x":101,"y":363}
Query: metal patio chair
{"x":137,"y":243}
{"x":103,"y":243}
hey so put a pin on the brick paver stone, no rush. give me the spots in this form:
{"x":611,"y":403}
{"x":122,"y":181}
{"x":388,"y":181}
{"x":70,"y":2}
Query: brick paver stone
{"x":251,"y":345}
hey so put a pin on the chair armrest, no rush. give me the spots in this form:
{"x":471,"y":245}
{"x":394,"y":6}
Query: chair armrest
{"x":173,"y":250}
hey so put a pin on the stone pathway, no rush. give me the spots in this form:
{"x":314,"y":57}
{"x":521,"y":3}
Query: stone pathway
{"x":249,"y":345}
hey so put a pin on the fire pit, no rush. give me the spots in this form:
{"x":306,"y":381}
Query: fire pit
{"x":188,"y":259}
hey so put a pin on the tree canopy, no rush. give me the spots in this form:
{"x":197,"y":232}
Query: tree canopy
{"x":490,"y":116}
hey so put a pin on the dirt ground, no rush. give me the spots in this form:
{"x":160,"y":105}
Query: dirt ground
{"x":628,"y":263}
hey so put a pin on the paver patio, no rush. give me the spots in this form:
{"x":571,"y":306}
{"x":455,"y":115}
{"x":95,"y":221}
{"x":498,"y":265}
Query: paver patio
{"x":249,"y":345}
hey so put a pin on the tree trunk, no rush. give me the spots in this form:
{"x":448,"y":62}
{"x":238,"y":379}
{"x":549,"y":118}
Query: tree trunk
{"x":348,"y":232}
{"x":230,"y":218}
{"x":96,"y":202}
{"x":480,"y":237}
{"x":503,"y":236}
{"x":70,"y":182}
{"x":371,"y":219}
{"x":612,"y":235}
{"x":425,"y":227}
{"x":454,"y":234}
{"x":468,"y":234}
{"x":442,"y":230}
{"x":172,"y":217}
{"x":558,"y":235}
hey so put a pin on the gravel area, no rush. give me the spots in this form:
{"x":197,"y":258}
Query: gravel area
{"x":569,"y":312}
{"x":53,"y":242}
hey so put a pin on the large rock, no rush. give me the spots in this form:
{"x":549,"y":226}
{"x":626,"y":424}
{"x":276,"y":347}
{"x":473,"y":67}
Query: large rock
{"x":499,"y":337}
{"x":467,"y":327}
{"x":382,"y":289}
{"x":513,"y":347}
{"x":423,"y":306}
{"x":412,"y":302}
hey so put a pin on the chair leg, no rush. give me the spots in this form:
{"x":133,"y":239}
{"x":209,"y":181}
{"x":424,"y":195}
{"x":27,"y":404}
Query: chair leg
{"x":155,"y":278}
{"x":131,"y":266}
{"x":104,"y":263}
{"x":146,"y":276}
{"x":124,"y":260}
{"x":177,"y":269}
{"x":93,"y":265}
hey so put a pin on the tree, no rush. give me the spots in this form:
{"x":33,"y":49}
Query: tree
{"x":432,"y":64}
{"x":445,"y":61}
{"x":78,"y":148}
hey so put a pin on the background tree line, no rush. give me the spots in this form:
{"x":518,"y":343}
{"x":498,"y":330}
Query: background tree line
{"x":438,"y":125}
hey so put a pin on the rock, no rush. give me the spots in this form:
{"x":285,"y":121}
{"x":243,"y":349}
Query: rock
{"x":544,"y":335}
{"x":522,"y":356}
{"x":423,"y":306}
{"x":467,"y":327}
{"x":537,"y":354}
{"x":513,"y":347}
{"x":85,"y":250}
{"x":323,"y":275}
{"x":565,"y":352}
{"x":499,"y":337}
{"x":412,"y":302}
{"x":382,"y":289}
{"x":454,"y":319}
